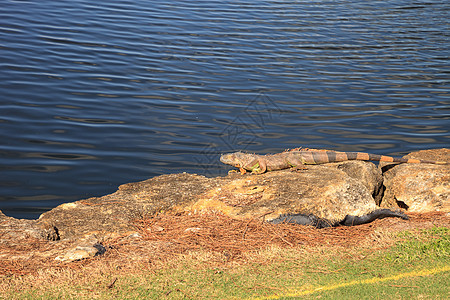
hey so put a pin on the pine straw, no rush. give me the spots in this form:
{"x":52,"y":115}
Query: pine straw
{"x":220,"y":233}
{"x":161,"y":238}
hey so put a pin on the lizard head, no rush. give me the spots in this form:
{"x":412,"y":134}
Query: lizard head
{"x":241,"y":160}
{"x":236,"y":159}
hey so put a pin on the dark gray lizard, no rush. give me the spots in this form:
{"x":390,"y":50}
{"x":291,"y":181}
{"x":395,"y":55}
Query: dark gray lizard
{"x":312,"y":220}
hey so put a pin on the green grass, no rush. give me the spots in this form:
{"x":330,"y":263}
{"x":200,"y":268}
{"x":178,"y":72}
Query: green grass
{"x":416,"y":267}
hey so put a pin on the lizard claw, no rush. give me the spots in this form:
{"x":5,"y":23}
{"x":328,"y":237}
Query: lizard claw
{"x":298,"y":168}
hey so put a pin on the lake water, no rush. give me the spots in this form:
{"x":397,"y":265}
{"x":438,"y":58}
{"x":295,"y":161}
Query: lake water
{"x":94,"y":95}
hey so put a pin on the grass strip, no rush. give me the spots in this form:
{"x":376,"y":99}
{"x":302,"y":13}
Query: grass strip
{"x":373,"y":280}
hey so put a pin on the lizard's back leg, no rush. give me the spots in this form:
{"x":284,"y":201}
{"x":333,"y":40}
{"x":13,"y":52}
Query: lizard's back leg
{"x":295,"y":162}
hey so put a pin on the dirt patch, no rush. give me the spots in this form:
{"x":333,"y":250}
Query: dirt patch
{"x":161,"y":238}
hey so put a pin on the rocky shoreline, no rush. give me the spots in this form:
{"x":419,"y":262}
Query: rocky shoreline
{"x":330,"y":191}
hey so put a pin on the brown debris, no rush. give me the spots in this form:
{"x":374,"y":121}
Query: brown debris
{"x":163,"y":237}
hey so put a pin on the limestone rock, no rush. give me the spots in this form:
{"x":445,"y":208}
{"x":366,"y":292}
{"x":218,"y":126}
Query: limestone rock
{"x":366,"y":173}
{"x":419,"y":187}
{"x":86,"y":248}
{"x":325,"y":191}
{"x":17,"y":229}
{"x":114,"y":213}
{"x":329,"y":191}
{"x":82,"y":252}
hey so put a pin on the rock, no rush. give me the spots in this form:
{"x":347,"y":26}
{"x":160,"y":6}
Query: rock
{"x":325,"y":191}
{"x":418,"y":187}
{"x":87,"y":248}
{"x":366,"y":173}
{"x":82,"y":252}
{"x":114,"y":213}
{"x":328,"y":191}
{"x":17,"y":229}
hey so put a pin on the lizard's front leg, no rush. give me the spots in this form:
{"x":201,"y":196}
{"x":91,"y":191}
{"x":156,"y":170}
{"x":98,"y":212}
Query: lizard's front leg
{"x":262,"y":167}
{"x":251,"y":165}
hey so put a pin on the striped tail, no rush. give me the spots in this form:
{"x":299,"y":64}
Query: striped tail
{"x":327,"y":156}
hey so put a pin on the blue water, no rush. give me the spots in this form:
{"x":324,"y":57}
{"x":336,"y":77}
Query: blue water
{"x":96,"y":95}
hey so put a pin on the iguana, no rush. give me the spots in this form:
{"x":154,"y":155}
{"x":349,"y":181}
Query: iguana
{"x":347,"y":221}
{"x":259,"y":164}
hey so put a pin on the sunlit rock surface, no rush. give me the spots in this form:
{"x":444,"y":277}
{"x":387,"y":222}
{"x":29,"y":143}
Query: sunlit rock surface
{"x":419,"y":187}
